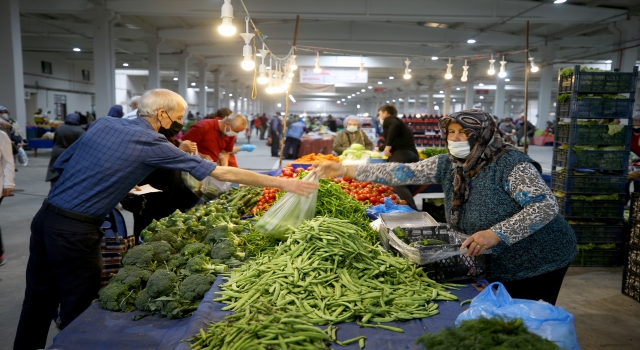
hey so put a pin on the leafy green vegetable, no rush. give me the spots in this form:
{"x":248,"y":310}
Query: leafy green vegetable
{"x":117,"y":297}
{"x":161,"y":283}
{"x":483,"y":334}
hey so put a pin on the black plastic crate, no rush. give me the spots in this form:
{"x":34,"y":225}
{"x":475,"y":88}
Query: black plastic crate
{"x":634,"y":232}
{"x":631,"y":284}
{"x":587,"y":183}
{"x":596,"y":108}
{"x":599,"y":82}
{"x":591,"y":135}
{"x":582,"y":209}
{"x":634,"y":214}
{"x":460,"y":268}
{"x":598,"y":233}
{"x":603,"y":160}
{"x":632,"y":262}
{"x":598,"y":257}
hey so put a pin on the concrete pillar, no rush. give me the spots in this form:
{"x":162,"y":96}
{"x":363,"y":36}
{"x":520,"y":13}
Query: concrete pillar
{"x":548,"y":77}
{"x":153,"y":57}
{"x":507,"y":108}
{"x":202,"y":83}
{"x":416,"y":104}
{"x":430,"y":104}
{"x":216,"y":89}
{"x":498,"y":103}
{"x":469,"y":95}
{"x":183,"y":76}
{"x":235,"y":92}
{"x":103,"y":61}
{"x":12,"y":88}
{"x":245,"y":100}
{"x":447,"y":100}
{"x":627,"y":32}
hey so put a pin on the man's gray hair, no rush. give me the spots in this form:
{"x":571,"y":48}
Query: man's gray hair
{"x":136,"y":100}
{"x":153,"y":100}
{"x":352,"y":118}
{"x":237,"y":121}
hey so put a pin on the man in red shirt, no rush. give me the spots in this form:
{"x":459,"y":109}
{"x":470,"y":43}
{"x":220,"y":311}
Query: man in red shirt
{"x":216,"y":137}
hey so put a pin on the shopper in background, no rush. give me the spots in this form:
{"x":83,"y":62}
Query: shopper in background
{"x":531,"y":129}
{"x":275,"y":132}
{"x":507,"y":126}
{"x":64,"y":136}
{"x":223,"y":113}
{"x":350,"y":135}
{"x":264,"y":125}
{"x":495,"y":194}
{"x":16,"y":134}
{"x":257,"y":124}
{"x":399,"y":146}
{"x":216,"y":138}
{"x":115,"y":112}
{"x":331,"y":124}
{"x":96,"y":172}
{"x":220,"y":114}
{"x":134,"y":108}
{"x":7,"y":175}
{"x":292,"y":140}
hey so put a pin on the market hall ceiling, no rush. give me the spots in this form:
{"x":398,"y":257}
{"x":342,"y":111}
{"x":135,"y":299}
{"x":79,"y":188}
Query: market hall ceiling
{"x":416,"y":29}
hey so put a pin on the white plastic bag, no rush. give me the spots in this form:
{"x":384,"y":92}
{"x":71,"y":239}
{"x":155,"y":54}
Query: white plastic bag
{"x":289,"y":212}
{"x":212,"y":188}
{"x":22,"y":157}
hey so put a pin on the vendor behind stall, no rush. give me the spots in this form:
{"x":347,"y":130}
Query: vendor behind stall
{"x":494,"y":193}
{"x":96,"y":172}
{"x":216,"y":138}
{"x":350,"y":135}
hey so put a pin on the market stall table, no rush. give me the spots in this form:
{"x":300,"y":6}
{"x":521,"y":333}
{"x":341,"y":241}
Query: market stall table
{"x":100,"y":329}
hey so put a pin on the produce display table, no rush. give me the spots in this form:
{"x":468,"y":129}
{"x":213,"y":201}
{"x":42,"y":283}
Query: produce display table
{"x":309,"y":146}
{"x":98,"y":329}
{"x":34,"y":144}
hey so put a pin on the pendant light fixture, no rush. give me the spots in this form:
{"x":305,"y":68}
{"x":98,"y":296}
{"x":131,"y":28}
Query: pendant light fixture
{"x":534,"y":68}
{"x":317,"y":69}
{"x":361,"y":65}
{"x":448,"y":75}
{"x":492,"y":69}
{"x":406,"y":70}
{"x":292,"y":63}
{"x":262,"y":78}
{"x":227,"y":28}
{"x":247,"y":51}
{"x":502,"y":73}
{"x":465,"y":69}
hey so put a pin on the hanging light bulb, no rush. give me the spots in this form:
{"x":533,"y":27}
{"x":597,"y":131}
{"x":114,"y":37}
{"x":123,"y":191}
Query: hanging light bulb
{"x":247,"y":50}
{"x":406,"y":70}
{"x":502,"y":73}
{"x":271,"y":74}
{"x":464,"y":72}
{"x":293,"y":64}
{"x":288,"y":75}
{"x":448,"y":75}
{"x":492,"y":69}
{"x":317,"y":69}
{"x":534,"y":68}
{"x":262,"y":79}
{"x":227,"y":28}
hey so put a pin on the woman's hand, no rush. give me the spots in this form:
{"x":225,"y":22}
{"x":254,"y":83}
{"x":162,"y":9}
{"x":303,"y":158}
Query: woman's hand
{"x":387,"y":151}
{"x":330,"y":169}
{"x":480,"y":241}
{"x":303,"y":188}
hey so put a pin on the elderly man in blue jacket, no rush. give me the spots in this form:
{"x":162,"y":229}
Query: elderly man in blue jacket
{"x":292,"y":142}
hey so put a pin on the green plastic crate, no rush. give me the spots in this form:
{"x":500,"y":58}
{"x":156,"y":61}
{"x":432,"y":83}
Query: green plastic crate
{"x":592,"y":135}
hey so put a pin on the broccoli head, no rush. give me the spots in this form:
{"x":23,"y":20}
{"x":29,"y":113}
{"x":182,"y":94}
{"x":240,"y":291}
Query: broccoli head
{"x":216,"y":233}
{"x":140,"y":256}
{"x":176,"y":263}
{"x":195,"y":287}
{"x":163,"y":236}
{"x":142,"y":300}
{"x":161,"y":251}
{"x":225,"y":249}
{"x":203,"y":264}
{"x":195,"y":249}
{"x":116,"y":297}
{"x":132,"y":276}
{"x":161,"y":283}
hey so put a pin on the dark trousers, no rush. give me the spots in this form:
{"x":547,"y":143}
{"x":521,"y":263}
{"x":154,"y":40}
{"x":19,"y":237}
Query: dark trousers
{"x":64,"y":268}
{"x":1,"y":246}
{"x":275,"y":143}
{"x":404,"y":156}
{"x":291,"y":146}
{"x":545,"y":286}
{"x":263,"y":131}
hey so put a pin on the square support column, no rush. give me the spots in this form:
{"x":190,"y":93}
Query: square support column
{"x":104,"y":61}
{"x":153,"y":57}
{"x":12,"y":88}
{"x":498,"y":103}
{"x":183,"y":76}
{"x":202,"y":83}
{"x":547,"y":78}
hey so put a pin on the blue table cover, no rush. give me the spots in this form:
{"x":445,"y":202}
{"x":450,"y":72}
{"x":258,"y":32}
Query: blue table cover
{"x":98,"y":329}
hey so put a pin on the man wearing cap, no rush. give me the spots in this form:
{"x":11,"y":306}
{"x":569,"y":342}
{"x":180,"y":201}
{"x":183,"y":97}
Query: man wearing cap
{"x":96,"y":172}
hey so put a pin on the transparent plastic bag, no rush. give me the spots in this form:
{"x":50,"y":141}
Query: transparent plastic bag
{"x":550,"y":322}
{"x":192,"y":183}
{"x":22,"y":157}
{"x":212,"y":188}
{"x":289,"y":212}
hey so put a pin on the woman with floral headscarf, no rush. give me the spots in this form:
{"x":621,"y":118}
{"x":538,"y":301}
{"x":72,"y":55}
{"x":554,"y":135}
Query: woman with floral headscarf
{"x":495,"y":194}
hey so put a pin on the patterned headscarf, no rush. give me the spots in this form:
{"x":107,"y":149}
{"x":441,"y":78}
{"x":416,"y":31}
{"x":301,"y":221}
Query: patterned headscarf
{"x":486,"y":146}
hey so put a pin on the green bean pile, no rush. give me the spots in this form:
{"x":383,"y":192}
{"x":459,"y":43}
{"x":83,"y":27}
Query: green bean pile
{"x":326,"y":272}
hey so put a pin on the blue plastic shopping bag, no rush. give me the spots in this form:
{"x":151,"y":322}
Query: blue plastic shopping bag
{"x":548,"y":321}
{"x":374,"y":211}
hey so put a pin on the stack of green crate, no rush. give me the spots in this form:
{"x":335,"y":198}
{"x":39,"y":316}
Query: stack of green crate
{"x":590,"y":159}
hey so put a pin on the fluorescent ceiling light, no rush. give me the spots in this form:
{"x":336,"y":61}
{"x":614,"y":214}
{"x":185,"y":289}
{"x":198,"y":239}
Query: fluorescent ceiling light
{"x":457,"y":88}
{"x":76,"y":49}
{"x":442,"y":92}
{"x":125,"y":64}
{"x":434,"y":58}
{"x":193,"y":84}
{"x":175,"y":79}
{"x":481,"y":84}
{"x":608,"y":61}
{"x":370,"y":87}
{"x":391,"y":77}
{"x":363,"y":90}
{"x":482,"y":97}
{"x":507,"y":79}
{"x":471,"y":41}
{"x":379,"y":83}
{"x":559,"y":1}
